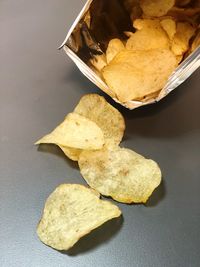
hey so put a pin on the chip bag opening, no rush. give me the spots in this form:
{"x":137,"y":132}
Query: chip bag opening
{"x":106,"y":28}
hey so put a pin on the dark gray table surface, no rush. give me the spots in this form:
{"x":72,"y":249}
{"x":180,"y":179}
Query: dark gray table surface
{"x":39,"y":86}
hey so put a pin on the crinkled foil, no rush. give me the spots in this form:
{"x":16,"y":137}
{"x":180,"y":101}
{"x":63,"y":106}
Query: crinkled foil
{"x":98,"y":22}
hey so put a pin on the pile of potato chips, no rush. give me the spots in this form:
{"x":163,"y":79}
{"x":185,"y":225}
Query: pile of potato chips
{"x":164,"y":33}
{"x":91,"y":135}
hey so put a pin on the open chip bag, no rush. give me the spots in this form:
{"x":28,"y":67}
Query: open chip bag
{"x":136,"y":51}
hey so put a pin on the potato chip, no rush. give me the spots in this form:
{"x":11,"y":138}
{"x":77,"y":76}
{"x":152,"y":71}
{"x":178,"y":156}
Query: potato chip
{"x":99,"y":62}
{"x":109,"y":119}
{"x":134,"y":74}
{"x":150,"y":35}
{"x":120,"y":173}
{"x":76,"y":131}
{"x":156,"y":8}
{"x":140,"y":24}
{"x":169,"y":26}
{"x":144,"y":59}
{"x":182,"y":37}
{"x":71,"y":212}
{"x":114,"y":47}
{"x":71,"y":153}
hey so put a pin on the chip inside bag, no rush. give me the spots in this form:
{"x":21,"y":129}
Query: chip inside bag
{"x":106,"y":29}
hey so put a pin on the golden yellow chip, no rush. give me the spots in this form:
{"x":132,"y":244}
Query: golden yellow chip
{"x":182,"y":37}
{"x":71,"y":212}
{"x":76,"y":131}
{"x":169,"y":26}
{"x":149,"y":35}
{"x":144,"y":60}
{"x":141,"y":24}
{"x":135,"y":74}
{"x":156,"y":8}
{"x":99,"y":62}
{"x":120,"y":173}
{"x":114,"y":47}
{"x":71,"y":153}
{"x":108,"y":118}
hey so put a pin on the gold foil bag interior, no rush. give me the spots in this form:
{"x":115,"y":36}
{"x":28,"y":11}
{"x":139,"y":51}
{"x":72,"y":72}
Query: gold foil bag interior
{"x":100,"y":21}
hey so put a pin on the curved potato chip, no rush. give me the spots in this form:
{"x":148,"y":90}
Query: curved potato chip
{"x":114,"y":47}
{"x":71,"y":153}
{"x":141,"y":24}
{"x":169,"y":26}
{"x":71,"y":212}
{"x":135,"y":74}
{"x":156,"y":8}
{"x":149,"y":35}
{"x":120,"y":173}
{"x":145,"y":60}
{"x":127,"y":82}
{"x":108,"y":118}
{"x":75,"y":131}
{"x":182,"y":37}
